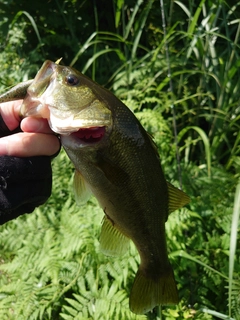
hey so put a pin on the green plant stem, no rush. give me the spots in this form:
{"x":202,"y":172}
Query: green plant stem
{"x":233,"y":243}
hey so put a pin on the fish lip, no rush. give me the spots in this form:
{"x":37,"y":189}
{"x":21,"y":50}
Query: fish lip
{"x":34,"y":104}
{"x":43,"y":78}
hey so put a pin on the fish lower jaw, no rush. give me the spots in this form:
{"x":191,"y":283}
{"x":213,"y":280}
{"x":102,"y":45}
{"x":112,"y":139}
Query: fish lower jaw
{"x":66,"y":123}
{"x":83,"y":137}
{"x":90,"y":135}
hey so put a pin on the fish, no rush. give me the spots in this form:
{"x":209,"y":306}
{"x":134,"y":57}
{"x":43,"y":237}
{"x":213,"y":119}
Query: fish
{"x":116,"y":160}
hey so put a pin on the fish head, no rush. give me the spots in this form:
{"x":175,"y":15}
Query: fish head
{"x":63,"y":96}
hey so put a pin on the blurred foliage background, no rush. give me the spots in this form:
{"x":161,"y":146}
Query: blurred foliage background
{"x":50,"y":264}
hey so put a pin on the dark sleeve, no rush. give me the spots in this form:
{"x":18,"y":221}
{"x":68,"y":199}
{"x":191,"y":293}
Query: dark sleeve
{"x":25,"y":183}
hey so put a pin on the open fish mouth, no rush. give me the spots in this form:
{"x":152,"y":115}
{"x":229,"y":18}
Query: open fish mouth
{"x":90,"y":135}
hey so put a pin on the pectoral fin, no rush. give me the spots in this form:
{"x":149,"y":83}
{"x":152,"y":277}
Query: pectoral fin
{"x":81,"y":190}
{"x":112,"y":171}
{"x":176,"y":198}
{"x":112,"y":241}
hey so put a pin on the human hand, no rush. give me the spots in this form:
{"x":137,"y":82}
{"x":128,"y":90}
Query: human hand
{"x":36,"y":139}
{"x":25,"y":162}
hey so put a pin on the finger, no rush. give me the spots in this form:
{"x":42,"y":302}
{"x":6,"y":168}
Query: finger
{"x":10,"y":113}
{"x":30,"y":124}
{"x":26,"y":144}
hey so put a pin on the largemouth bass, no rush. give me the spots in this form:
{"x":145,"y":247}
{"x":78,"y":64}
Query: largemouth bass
{"x":115,"y":160}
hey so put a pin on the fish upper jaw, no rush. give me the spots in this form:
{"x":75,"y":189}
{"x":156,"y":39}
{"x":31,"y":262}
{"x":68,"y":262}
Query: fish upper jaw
{"x":35,"y":104}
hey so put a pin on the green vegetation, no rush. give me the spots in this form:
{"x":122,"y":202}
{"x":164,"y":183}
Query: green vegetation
{"x":50,"y":266}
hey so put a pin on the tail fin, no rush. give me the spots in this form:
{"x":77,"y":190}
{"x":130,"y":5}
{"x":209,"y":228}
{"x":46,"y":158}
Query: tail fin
{"x":148,"y":292}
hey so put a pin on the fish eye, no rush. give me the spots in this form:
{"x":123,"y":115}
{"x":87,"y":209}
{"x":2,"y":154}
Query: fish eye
{"x":72,"y":80}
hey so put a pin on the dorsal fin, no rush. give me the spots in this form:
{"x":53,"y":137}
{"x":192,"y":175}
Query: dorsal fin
{"x":176,"y":198}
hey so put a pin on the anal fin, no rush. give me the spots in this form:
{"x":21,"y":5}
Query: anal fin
{"x":112,"y":241}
